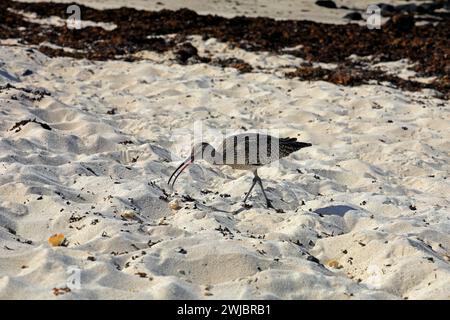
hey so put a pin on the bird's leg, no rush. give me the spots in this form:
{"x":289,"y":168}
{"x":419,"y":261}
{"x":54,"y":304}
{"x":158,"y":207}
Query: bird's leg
{"x":269,"y":202}
{"x":258,"y":179}
{"x":251,"y":188}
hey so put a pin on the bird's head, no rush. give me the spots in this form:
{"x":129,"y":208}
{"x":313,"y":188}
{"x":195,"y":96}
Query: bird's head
{"x":199,"y":151}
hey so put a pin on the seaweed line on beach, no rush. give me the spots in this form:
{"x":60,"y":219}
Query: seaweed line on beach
{"x":426,"y":46}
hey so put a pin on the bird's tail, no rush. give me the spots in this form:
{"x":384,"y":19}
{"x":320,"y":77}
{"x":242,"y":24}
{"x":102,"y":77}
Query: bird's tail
{"x":291,"y":144}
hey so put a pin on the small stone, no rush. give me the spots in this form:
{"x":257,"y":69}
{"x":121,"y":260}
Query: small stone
{"x":353,"y":16}
{"x":327,"y":4}
{"x":27,"y":72}
{"x":386,"y":9}
{"x":199,"y":215}
{"x":162,"y":222}
{"x":127,"y":214}
{"x":334,"y":264}
{"x":57,"y":240}
{"x":174,"y":205}
{"x":141,"y":274}
{"x":185,"y":51}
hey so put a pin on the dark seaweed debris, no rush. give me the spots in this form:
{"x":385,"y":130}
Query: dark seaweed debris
{"x":18,"y":125}
{"x":350,"y":74}
{"x":238,"y":64}
{"x":34,"y":94}
{"x":428,"y":46}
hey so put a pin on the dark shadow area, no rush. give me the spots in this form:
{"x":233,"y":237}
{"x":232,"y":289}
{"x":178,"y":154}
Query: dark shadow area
{"x":339,"y":210}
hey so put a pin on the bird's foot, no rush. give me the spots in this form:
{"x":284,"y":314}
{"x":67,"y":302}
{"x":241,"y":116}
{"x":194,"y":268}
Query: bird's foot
{"x":246,"y":205}
{"x":270,"y":206}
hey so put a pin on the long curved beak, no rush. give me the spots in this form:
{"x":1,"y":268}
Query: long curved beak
{"x":180,"y":169}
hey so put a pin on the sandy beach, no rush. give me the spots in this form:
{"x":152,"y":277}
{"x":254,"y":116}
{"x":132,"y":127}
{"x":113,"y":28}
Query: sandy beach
{"x":88,"y":140}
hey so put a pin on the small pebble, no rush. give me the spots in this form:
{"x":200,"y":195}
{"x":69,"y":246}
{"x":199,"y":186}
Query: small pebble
{"x":127,"y":214}
{"x":334,"y":264}
{"x":174,"y":205}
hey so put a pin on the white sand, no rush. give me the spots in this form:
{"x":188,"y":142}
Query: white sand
{"x":57,"y":21}
{"x":357,"y":190}
{"x":280,"y":9}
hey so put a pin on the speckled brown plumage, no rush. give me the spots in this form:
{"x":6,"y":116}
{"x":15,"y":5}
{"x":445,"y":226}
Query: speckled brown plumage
{"x":246,"y":151}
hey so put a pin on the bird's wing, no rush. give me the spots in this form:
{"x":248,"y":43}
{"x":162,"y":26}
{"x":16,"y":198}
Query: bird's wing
{"x":249,"y":149}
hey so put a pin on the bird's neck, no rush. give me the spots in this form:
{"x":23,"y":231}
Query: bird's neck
{"x":212,"y":156}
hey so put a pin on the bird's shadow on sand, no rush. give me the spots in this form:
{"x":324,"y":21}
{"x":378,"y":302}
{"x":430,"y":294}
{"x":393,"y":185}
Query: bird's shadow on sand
{"x":234,"y":212}
{"x":338,"y":210}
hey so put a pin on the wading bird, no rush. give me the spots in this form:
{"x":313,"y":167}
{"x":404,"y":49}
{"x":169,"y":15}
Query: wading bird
{"x":247,"y":151}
